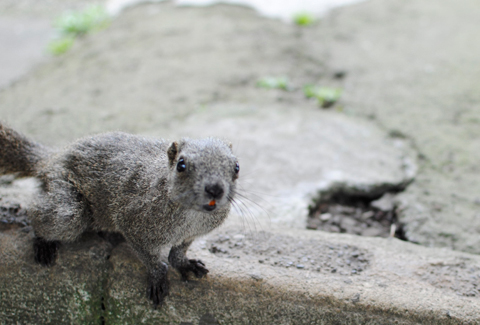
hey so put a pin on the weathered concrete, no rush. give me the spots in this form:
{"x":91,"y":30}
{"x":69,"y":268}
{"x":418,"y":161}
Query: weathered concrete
{"x":299,"y":277}
{"x":251,"y":282}
{"x":22,"y":44}
{"x":26,"y":27}
{"x":413,"y":67}
{"x":212,"y":98}
{"x":69,"y":293}
{"x":151,"y":72}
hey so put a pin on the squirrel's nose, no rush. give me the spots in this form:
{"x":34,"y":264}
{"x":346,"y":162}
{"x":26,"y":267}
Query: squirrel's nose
{"x":215,"y":190}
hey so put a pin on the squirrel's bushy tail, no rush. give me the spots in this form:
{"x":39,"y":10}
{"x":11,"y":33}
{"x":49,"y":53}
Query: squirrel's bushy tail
{"x":19,"y":155}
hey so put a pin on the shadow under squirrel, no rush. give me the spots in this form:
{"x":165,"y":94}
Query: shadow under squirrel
{"x":153,"y":192}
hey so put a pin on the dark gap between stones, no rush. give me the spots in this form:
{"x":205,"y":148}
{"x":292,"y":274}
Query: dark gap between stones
{"x":102,"y":318}
{"x":363,"y":214}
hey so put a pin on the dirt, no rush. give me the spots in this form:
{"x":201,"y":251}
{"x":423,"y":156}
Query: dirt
{"x":340,"y":212}
{"x":12,"y":215}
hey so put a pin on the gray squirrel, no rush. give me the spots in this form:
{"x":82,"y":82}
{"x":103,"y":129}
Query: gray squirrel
{"x":155,"y":193}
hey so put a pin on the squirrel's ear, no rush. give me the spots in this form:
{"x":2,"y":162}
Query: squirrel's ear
{"x":230,"y":145}
{"x":172,"y":152}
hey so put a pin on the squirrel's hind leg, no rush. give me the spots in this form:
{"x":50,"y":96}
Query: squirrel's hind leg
{"x":60,"y":214}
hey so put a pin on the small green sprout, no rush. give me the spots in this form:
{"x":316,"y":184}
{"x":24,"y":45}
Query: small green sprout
{"x":304,"y":19}
{"x":274,"y":83}
{"x":75,"y":24}
{"x":80,"y":23}
{"x":326,"y":96}
{"x":61,"y":45}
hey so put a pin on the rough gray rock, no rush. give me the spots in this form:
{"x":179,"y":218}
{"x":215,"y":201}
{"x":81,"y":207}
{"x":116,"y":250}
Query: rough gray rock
{"x":69,"y":292}
{"x":22,"y":43}
{"x":413,"y":67}
{"x":254,"y":279}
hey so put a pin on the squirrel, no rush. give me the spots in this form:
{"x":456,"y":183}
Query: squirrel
{"x":153,"y":192}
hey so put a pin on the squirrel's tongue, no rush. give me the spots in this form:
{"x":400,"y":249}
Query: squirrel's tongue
{"x":211,"y":203}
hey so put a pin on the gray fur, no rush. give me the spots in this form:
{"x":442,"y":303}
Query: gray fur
{"x":18,"y":155}
{"x":129,"y":184}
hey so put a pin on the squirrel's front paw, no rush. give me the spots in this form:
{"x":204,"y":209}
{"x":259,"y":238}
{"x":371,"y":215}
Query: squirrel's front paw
{"x":195,"y":266}
{"x":157,"y":290}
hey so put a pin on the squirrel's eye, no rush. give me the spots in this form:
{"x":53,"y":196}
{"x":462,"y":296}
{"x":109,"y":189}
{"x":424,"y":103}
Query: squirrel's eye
{"x":237,"y":168}
{"x":181,"y":165}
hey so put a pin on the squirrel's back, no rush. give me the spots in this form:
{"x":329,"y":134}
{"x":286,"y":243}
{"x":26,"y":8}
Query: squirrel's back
{"x":112,"y":169}
{"x":19,"y":155}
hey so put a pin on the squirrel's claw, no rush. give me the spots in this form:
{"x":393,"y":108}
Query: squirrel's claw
{"x":157,"y":291}
{"x":197,"y":267}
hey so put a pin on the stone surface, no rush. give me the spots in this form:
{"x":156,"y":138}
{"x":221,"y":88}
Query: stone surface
{"x":22,"y":44}
{"x":48,"y":9}
{"x":413,"y":67}
{"x":70,"y":292}
{"x":254,"y":278}
{"x":288,"y":136}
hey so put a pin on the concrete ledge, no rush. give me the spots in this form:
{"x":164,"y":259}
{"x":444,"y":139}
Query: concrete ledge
{"x":68,"y":293}
{"x":250,"y":281}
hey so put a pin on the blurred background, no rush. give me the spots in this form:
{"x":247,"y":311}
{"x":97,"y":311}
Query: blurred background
{"x":375,"y":97}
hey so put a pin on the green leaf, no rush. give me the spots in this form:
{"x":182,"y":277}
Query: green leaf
{"x":274,"y":83}
{"x":79,"y":23}
{"x":304,"y":19}
{"x":61,"y":45}
{"x":326,"y":96}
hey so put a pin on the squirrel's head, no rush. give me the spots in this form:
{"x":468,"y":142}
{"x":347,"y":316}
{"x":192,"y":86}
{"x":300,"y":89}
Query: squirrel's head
{"x":202,"y":173}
